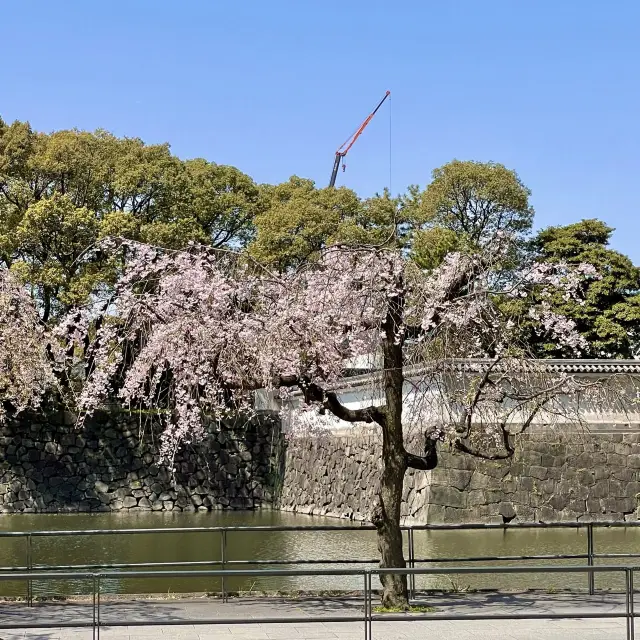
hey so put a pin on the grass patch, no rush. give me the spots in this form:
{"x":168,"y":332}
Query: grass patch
{"x":401,"y":610}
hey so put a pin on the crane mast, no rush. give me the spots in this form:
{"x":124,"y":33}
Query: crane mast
{"x":350,"y":141}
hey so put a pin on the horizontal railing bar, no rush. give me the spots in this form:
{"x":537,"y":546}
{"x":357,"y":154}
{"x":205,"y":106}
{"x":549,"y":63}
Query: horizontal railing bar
{"x":48,"y":625}
{"x":307,"y":572}
{"x":551,"y":556}
{"x":193,"y":563}
{"x":231,"y":621}
{"x":108,"y":532}
{"x":523,"y":525}
{"x":374,"y":618}
{"x":316,"y":572}
{"x":559,"y":556}
{"x":67,"y":575}
{"x":499,"y":616}
{"x":299,"y":561}
{"x":504,"y":569}
{"x":230,"y":573}
{"x":312,"y":528}
{"x":106,"y":624}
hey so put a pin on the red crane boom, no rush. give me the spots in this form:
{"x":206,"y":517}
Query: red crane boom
{"x":343,"y":149}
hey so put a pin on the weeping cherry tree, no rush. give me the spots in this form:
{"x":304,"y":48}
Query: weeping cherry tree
{"x":196,"y":332}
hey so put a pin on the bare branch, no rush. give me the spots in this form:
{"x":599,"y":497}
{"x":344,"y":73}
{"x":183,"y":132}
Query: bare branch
{"x":329,"y":401}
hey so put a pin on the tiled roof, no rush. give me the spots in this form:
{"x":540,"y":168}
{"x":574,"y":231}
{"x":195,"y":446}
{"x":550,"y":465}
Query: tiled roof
{"x":565,"y":366}
{"x":577,"y":366}
{"x":585,"y":367}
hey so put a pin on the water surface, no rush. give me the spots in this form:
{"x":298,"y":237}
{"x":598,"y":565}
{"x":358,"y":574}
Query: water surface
{"x":283,"y":545}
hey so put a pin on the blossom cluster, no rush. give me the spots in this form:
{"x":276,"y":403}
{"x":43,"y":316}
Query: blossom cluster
{"x":197,"y":331}
{"x":26,"y":373}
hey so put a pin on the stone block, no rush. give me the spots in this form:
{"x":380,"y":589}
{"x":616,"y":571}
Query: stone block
{"x":101,"y":487}
{"x":507,"y":510}
{"x":447,"y":496}
{"x":539,"y":473}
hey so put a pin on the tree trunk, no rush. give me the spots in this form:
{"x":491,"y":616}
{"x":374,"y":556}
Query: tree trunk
{"x":387,"y":522}
{"x":394,"y":463}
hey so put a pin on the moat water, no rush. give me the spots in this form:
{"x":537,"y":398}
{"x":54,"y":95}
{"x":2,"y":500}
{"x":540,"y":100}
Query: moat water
{"x":288,"y":546}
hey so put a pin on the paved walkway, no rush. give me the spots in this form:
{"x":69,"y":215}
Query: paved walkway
{"x":185,"y":612}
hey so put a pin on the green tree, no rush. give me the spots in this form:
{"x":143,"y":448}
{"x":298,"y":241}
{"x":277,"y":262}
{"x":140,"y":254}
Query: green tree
{"x":205,"y":202}
{"x":298,"y":220}
{"x":94,"y":184}
{"x":467,"y":204}
{"x":609,"y":316}
{"x":51,"y":239}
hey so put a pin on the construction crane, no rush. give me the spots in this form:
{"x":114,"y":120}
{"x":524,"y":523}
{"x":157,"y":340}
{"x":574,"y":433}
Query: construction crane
{"x":350,"y":141}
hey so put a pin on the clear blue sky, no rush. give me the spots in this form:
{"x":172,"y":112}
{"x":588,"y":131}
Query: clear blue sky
{"x":547,"y":87}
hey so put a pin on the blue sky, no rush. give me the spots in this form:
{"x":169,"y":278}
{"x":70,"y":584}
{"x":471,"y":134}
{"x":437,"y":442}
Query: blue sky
{"x":548,"y":88}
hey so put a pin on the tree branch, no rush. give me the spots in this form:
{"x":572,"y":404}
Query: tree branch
{"x":465,"y":421}
{"x":422,"y":463}
{"x":329,"y":401}
{"x":429,"y":460}
{"x":508,"y":453}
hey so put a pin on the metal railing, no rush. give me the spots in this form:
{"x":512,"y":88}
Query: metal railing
{"x":368,"y":616}
{"x":224,"y":562}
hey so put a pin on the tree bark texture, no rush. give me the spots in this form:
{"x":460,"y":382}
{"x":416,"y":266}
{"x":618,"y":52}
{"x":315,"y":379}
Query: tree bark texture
{"x":386,"y":517}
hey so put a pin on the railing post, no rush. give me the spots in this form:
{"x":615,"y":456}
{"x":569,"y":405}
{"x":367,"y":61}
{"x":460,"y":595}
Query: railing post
{"x":591,"y":574}
{"x":29,"y":568}
{"x":632,"y":617}
{"x":98,"y":607}
{"x":368,"y":605}
{"x":365,"y":595}
{"x":223,"y":559}
{"x":93,"y":588}
{"x":628,"y":592}
{"x":412,"y":564}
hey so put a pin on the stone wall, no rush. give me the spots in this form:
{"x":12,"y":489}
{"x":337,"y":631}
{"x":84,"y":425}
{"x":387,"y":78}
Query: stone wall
{"x":48,"y":465}
{"x":551,"y":477}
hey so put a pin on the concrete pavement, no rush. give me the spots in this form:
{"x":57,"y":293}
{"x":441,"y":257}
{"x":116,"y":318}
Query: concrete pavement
{"x":166,"y":613}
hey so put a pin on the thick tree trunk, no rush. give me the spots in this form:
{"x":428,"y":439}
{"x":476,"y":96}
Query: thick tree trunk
{"x":394,"y":463}
{"x":387,"y":522}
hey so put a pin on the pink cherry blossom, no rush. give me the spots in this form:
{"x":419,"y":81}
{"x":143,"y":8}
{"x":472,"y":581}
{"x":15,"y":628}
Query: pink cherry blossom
{"x":26,"y":373}
{"x":197,"y":331}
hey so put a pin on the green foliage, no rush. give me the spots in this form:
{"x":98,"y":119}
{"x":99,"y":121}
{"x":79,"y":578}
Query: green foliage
{"x":466,"y":205}
{"x":610,"y":316}
{"x":430,"y":246}
{"x":50,"y":241}
{"x":298,"y":220}
{"x":206,"y":203}
{"x":61,"y":192}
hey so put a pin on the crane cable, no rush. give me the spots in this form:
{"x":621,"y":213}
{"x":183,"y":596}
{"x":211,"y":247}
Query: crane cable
{"x":390,"y":146}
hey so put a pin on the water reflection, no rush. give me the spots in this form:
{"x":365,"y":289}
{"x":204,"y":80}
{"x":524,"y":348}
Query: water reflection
{"x":288,"y":546}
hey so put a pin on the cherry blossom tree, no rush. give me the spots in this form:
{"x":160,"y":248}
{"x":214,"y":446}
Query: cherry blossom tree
{"x":196,"y":332}
{"x":26,"y":372}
